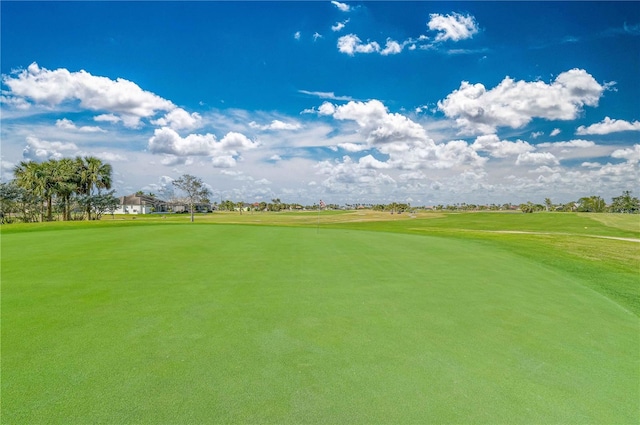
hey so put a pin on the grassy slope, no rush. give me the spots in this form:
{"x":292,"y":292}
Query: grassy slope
{"x":235,"y":324}
{"x":562,"y":241}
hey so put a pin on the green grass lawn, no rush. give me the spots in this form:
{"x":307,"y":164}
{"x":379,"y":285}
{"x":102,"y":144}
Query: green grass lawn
{"x":433,"y":319}
{"x":574,"y":243}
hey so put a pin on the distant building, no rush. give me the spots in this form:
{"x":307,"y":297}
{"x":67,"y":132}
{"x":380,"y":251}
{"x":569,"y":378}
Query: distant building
{"x":140,"y":204}
{"x":182,"y":207}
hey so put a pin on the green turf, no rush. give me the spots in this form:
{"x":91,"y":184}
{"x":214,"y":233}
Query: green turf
{"x":583,"y":245}
{"x":173,"y":323}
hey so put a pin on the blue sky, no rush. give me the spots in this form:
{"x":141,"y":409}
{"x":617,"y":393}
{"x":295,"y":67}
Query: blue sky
{"x":422,"y":102}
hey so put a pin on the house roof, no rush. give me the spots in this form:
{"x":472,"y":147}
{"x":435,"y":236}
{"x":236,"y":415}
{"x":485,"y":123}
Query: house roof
{"x":134,"y":199}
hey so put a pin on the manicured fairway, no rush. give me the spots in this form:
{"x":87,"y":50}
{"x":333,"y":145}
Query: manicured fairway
{"x":206,"y":323}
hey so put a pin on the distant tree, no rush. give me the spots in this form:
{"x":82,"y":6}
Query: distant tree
{"x":526,"y":208}
{"x":9,"y":193}
{"x":240,"y":206}
{"x":94,"y":174}
{"x":598,"y":204}
{"x":275,"y":205}
{"x":65,"y":180}
{"x":625,"y":203}
{"x":548,"y":204}
{"x":530,"y":207}
{"x":65,"y":183}
{"x":37,"y":179}
{"x":99,"y":204}
{"x":195,"y":190}
{"x":105,"y":203}
{"x":16,"y":201}
{"x":591,"y":204}
{"x":227,"y":205}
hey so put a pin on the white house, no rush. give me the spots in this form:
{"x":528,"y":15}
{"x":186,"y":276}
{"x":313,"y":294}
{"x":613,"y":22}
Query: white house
{"x":140,"y":204}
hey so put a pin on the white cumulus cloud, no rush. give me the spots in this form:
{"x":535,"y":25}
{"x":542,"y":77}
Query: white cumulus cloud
{"x":343,"y":7}
{"x":52,"y":88}
{"x":66,"y":124}
{"x":377,"y":123}
{"x":339,"y":26}
{"x":110,"y":156}
{"x":353,"y":147}
{"x":456,"y":153}
{"x":223,"y":161}
{"x":515,"y":103}
{"x":343,"y":174}
{"x":369,"y":162}
{"x":453,"y":27}
{"x":276,"y":125}
{"x":327,"y":108}
{"x":167,"y":141}
{"x":107,"y":118}
{"x":404,"y":141}
{"x":608,"y":126}
{"x":179,"y":119}
{"x":497,"y":148}
{"x":632,"y":155}
{"x":392,"y":48}
{"x":537,"y":158}
{"x":351,"y":44}
{"x":42,"y":150}
{"x":233,"y":141}
{"x":577,"y":143}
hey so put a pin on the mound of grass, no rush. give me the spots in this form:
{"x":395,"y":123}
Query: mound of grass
{"x":260,"y":324}
{"x":578,"y":244}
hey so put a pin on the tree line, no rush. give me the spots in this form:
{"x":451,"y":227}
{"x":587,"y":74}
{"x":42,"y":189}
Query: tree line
{"x":624,"y":203}
{"x":394,"y":207}
{"x":275,"y":205}
{"x":62,"y":186}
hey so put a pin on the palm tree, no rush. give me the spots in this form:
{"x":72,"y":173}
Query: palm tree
{"x":26,"y":178}
{"x":93,"y":173}
{"x":240,"y":206}
{"x":38,"y":179}
{"x":66,"y":182}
